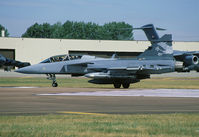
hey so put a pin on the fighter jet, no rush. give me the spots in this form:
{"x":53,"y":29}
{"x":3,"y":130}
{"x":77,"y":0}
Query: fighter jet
{"x":185,"y":61}
{"x":157,"y":59}
{"x":10,"y":62}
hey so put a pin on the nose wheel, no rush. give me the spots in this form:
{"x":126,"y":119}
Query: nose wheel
{"x":54,"y":84}
{"x":53,"y":78}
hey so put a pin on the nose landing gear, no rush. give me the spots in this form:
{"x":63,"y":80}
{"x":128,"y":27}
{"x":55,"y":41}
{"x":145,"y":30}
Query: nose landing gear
{"x":53,"y":78}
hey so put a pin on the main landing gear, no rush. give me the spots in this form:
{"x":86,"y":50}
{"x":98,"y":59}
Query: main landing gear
{"x":124,"y":85}
{"x":53,"y":78}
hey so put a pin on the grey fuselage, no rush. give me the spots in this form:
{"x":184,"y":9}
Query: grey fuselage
{"x":99,"y":65}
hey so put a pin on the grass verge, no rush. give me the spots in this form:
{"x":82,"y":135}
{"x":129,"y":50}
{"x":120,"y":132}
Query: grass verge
{"x":74,"y":125}
{"x":181,"y":83}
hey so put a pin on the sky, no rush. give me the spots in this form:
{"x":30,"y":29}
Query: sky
{"x":179,"y":17}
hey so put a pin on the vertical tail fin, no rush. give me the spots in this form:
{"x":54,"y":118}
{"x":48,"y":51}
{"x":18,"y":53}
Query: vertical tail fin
{"x":160,"y":49}
{"x":150,"y":32}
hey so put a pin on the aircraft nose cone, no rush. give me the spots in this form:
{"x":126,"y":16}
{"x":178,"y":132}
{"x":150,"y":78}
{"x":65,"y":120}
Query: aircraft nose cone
{"x":22,"y":70}
{"x":27,"y":70}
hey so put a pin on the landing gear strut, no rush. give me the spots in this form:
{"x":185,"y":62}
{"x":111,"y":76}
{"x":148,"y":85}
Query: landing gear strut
{"x":53,"y":78}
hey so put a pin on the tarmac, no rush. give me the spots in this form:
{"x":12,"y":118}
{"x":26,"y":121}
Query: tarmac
{"x":193,"y":93}
{"x":37,"y":100}
{"x":18,"y":101}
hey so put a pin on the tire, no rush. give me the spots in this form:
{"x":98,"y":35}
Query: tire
{"x":125,"y":85}
{"x":117,"y":85}
{"x":54,"y":84}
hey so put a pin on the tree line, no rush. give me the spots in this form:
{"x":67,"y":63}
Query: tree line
{"x":81,"y":30}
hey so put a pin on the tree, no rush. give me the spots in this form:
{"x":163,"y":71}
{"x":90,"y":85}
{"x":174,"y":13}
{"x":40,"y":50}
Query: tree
{"x":6,"y":31}
{"x":68,"y":30}
{"x":46,"y":30}
{"x":118,"y":31}
{"x":81,"y":30}
{"x":33,"y":31}
{"x":92,"y":30}
{"x":39,"y":31}
{"x":57,"y":30}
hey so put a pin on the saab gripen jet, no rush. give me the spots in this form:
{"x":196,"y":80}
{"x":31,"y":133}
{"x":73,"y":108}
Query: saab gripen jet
{"x":186,"y":61}
{"x":157,"y":59}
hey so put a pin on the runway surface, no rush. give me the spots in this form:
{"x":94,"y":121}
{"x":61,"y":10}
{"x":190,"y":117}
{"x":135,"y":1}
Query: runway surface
{"x":194,"y":93}
{"x":17,"y":101}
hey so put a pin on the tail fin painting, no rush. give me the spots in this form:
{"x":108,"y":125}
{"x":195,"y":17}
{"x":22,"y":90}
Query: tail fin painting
{"x":161,"y":48}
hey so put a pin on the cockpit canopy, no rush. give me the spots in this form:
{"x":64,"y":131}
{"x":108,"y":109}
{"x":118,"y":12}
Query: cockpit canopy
{"x":59,"y":58}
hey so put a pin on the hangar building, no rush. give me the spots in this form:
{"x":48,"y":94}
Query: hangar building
{"x":34,"y":50}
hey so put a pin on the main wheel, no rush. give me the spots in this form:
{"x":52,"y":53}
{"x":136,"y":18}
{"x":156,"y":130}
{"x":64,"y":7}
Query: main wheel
{"x":125,"y":85}
{"x":54,"y":84}
{"x":117,"y":85}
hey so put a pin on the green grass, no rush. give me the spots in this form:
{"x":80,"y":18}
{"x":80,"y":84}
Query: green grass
{"x":188,"y":83}
{"x":143,"y":125}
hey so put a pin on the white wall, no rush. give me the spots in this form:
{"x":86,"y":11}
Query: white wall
{"x":35,"y":50}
